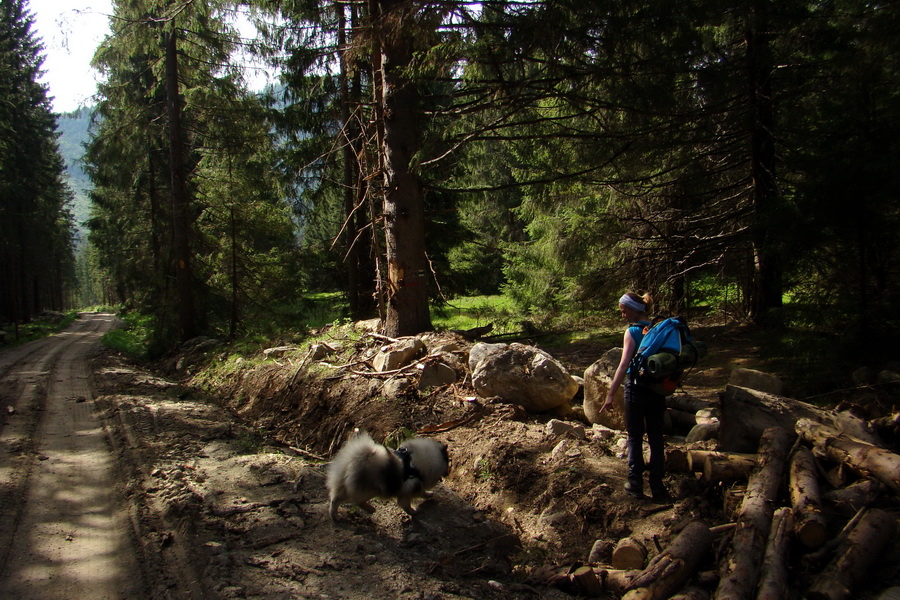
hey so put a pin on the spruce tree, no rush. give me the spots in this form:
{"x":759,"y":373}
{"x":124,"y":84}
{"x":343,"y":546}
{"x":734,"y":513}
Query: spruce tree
{"x":36,"y":229}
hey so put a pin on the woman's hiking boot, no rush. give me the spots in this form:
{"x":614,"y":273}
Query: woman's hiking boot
{"x":635,"y":488}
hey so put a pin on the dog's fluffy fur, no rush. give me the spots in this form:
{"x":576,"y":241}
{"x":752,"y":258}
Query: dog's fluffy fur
{"x":363,"y":470}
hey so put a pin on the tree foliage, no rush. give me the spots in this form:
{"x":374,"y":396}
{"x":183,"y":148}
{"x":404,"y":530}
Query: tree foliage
{"x":36,"y":228}
{"x":191,"y":222}
{"x":558,"y":150}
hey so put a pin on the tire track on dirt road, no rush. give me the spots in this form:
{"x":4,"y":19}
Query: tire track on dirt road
{"x":63,"y":533}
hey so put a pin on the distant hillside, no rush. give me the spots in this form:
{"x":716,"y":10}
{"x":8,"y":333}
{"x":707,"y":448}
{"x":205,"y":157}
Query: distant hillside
{"x":73,"y":129}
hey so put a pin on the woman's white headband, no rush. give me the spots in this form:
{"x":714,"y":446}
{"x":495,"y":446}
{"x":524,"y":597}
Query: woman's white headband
{"x":630,"y":302}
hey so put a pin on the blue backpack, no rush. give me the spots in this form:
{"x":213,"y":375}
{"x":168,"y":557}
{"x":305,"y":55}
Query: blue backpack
{"x":666,"y":353}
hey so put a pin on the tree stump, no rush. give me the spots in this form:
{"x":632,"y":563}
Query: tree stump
{"x":629,"y":553}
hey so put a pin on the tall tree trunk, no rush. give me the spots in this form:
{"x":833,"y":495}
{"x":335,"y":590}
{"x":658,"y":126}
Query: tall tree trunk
{"x":767,"y":288}
{"x":359,"y":294}
{"x":235,"y":313}
{"x":404,"y":214}
{"x":180,"y":214}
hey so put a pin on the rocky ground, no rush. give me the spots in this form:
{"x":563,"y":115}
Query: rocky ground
{"x":223,"y":471}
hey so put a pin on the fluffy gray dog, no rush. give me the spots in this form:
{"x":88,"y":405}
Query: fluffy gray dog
{"x":363,"y":470}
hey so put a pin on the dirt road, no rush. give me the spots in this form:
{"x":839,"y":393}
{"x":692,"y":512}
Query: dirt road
{"x":116,"y":483}
{"x":62,"y":530}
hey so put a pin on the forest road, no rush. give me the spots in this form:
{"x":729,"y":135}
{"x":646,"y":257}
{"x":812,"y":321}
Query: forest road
{"x":63,"y":533}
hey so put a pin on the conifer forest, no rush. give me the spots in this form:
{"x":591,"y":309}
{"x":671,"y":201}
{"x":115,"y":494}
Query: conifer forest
{"x":738,"y":155}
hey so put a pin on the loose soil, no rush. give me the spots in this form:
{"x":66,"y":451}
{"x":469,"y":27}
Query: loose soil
{"x":217,"y":491}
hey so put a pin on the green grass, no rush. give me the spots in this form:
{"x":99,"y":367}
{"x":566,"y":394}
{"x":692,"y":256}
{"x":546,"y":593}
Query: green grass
{"x":133,"y":338}
{"x":476,"y":311}
{"x":323,"y":308}
{"x":41,"y":327}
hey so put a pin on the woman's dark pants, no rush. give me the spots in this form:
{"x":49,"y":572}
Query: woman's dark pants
{"x":644,"y":410}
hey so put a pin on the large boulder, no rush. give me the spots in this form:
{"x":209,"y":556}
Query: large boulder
{"x":521,"y":374}
{"x":597,"y":379}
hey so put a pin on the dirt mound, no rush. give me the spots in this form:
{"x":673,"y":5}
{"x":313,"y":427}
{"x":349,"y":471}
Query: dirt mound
{"x":556,"y":495}
{"x":519,"y":502}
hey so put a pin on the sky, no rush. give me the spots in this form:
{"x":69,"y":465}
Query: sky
{"x":70,"y":30}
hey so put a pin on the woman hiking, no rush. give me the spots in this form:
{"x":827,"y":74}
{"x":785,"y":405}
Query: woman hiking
{"x":644,"y":408}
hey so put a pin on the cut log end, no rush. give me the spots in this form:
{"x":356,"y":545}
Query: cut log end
{"x":629,"y":553}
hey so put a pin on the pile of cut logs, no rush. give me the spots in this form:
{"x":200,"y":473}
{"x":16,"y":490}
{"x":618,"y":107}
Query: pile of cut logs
{"x":813,"y":510}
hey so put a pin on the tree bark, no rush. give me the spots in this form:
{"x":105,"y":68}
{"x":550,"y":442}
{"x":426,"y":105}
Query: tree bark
{"x":746,"y":413}
{"x":806,"y":499}
{"x":848,"y":500}
{"x":688,"y":403}
{"x":691,"y":593}
{"x":773,"y":584}
{"x":726,"y":468}
{"x":865,"y":543}
{"x":404,"y":212}
{"x":356,"y":239}
{"x":681,"y":420}
{"x":587,"y":581}
{"x":617,"y":581}
{"x":767,"y":289}
{"x":703,"y":431}
{"x":672,"y":567}
{"x":740,"y":569}
{"x":863,"y":458}
{"x":697,"y":457}
{"x":181,"y":225}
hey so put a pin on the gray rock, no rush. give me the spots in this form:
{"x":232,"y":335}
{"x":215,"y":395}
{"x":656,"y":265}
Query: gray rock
{"x":399,"y":354}
{"x":558,"y":428}
{"x":443,"y":370}
{"x":520,"y":374}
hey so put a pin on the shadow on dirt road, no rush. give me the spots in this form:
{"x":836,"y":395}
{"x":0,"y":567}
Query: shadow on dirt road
{"x":62,"y":532}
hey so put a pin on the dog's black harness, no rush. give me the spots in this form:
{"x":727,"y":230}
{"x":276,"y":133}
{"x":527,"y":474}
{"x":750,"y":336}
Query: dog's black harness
{"x":409,"y":471}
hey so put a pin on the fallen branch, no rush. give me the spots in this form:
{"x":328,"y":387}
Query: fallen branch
{"x":307,"y":453}
{"x":813,"y":559}
{"x":448,"y":425}
{"x":402,"y":369}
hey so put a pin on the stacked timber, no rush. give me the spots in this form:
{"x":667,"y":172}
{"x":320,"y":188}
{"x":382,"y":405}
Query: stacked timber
{"x":814,"y":495}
